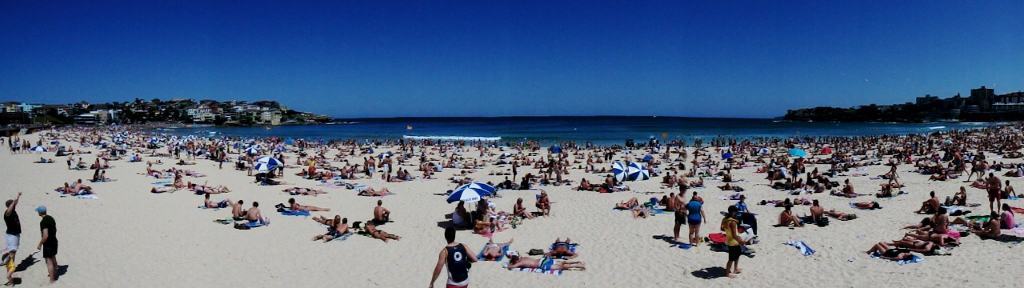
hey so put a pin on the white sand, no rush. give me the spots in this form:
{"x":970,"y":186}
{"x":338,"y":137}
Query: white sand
{"x":132,"y":238}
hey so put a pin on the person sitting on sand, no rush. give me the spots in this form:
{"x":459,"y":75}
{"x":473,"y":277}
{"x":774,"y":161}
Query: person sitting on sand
{"x":929,"y":206}
{"x":960,"y":198}
{"x":817,"y":213}
{"x":207,"y":203}
{"x":461,"y":217}
{"x":369,"y":191}
{"x":254,"y":215}
{"x":372,"y":230}
{"x":303,"y":191}
{"x":544,"y":203}
{"x":295,"y":206}
{"x":338,"y":228}
{"x":381,"y":215}
{"x":1006,"y":218}
{"x":237,"y":213}
{"x":492,"y":251}
{"x":547,"y":264}
{"x":990,"y":229}
{"x":519,"y":210}
{"x":560,"y":249}
{"x":787,"y":219}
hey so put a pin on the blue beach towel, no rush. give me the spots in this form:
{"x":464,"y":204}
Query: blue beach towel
{"x":290,"y":212}
{"x":802,"y":246}
{"x":916,"y":259}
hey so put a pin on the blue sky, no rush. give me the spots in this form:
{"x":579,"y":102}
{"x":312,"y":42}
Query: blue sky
{"x":491,"y":58}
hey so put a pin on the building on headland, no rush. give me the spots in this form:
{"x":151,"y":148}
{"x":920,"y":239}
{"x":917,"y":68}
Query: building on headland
{"x":983,"y":104}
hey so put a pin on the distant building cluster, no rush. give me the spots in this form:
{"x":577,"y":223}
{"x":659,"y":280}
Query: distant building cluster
{"x":186,"y":111}
{"x":983,"y":104}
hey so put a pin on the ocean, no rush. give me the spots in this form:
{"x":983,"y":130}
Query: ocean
{"x":601,"y":130}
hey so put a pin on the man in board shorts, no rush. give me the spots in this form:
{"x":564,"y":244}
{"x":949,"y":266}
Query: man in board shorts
{"x":994,"y":187}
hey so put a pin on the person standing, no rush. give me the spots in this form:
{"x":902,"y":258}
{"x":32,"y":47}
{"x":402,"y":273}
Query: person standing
{"x":12,"y":236}
{"x":48,"y":242}
{"x":457,"y":258}
{"x":733,"y":242}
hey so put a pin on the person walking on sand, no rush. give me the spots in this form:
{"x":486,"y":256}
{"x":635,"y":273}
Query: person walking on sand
{"x":12,"y":236}
{"x":48,"y":242}
{"x":457,"y":258}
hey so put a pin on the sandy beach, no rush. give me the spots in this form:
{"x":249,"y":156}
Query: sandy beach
{"x":129,"y":237}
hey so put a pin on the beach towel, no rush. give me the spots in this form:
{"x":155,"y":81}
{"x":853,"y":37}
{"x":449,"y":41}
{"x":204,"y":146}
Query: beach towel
{"x":343,"y":237}
{"x":917,"y":258}
{"x":87,"y":196}
{"x":504,"y":249}
{"x":534,"y":270}
{"x":290,"y":212}
{"x":802,"y":246}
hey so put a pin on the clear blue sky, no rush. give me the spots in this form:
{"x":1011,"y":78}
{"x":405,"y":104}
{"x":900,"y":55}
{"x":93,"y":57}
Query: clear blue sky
{"x":486,"y":58}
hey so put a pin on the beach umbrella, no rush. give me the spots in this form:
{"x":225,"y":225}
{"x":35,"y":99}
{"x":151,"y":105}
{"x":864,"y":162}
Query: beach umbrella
{"x":636,"y":172}
{"x":471,"y":192}
{"x":797,"y":152}
{"x":555,"y":149}
{"x":619,"y":170}
{"x":727,"y":155}
{"x":648,"y":158}
{"x":266,"y":164}
{"x":763,"y":151}
{"x":253,"y":150}
{"x":38,"y":149}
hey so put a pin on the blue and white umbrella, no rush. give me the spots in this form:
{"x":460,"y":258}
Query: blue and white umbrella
{"x":619,"y":171}
{"x":648,"y":158}
{"x":266,"y":164}
{"x":38,"y":149}
{"x":253,"y":150}
{"x":636,"y":172}
{"x":471,"y":192}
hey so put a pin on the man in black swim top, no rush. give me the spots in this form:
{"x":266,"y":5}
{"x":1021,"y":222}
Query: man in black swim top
{"x":457,"y":258}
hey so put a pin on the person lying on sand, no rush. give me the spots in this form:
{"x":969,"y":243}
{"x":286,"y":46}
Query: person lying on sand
{"x":492,"y":251}
{"x":547,"y":264}
{"x":295,"y":206}
{"x":207,"y":203}
{"x":162,"y":189}
{"x":628,"y":204}
{"x":840,"y":215}
{"x":303,"y":191}
{"x":560,"y":249}
{"x":866,"y":205}
{"x":372,"y":230}
{"x":889,"y":251}
{"x":203,"y":189}
{"x":369,"y":191}
{"x":337,"y":227}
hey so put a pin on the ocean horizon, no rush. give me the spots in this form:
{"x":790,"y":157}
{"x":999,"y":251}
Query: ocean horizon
{"x":600,"y":130}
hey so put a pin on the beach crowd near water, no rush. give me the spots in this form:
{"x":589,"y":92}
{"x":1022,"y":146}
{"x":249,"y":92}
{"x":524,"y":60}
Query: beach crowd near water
{"x":173,"y":210}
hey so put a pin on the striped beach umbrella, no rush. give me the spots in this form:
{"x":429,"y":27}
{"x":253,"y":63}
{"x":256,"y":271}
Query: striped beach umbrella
{"x":619,"y":171}
{"x":253,"y":150}
{"x":636,"y":172}
{"x":266,"y":164}
{"x":471,"y":192}
{"x":38,"y":149}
